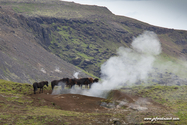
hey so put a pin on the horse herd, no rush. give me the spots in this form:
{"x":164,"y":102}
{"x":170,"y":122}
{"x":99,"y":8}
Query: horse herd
{"x":65,"y":82}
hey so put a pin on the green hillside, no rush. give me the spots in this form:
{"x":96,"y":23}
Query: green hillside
{"x":85,"y":35}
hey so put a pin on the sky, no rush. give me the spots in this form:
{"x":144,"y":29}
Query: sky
{"x":163,"y":13}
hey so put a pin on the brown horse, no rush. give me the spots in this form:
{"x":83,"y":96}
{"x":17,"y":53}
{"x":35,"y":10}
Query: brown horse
{"x":39,"y":85}
{"x":71,"y":82}
{"x":94,"y":81}
{"x":89,"y":82}
{"x":84,"y":81}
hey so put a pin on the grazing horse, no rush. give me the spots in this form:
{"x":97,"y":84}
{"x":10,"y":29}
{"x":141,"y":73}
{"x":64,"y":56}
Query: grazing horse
{"x":39,"y":85}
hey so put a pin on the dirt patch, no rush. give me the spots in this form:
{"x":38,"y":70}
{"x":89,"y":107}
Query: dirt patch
{"x":136,"y":108}
{"x":70,"y":102}
{"x":118,"y":95}
{"x":78,"y":109}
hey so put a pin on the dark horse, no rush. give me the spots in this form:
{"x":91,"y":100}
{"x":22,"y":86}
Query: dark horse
{"x":56,"y":82}
{"x":39,"y":85}
{"x":96,"y":80}
{"x":71,"y":83}
{"x":84,"y":81}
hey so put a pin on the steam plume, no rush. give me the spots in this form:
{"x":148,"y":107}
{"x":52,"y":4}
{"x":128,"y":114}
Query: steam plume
{"x":76,"y":74}
{"x":129,"y":66}
{"x":57,"y":69}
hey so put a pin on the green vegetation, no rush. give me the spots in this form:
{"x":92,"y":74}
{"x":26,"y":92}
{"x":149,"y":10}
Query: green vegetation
{"x":15,"y":98}
{"x":173,"y":97}
{"x":87,"y":36}
{"x":54,"y":8}
{"x":14,"y":88}
{"x":171,"y":64}
{"x":21,"y":8}
{"x":91,"y":32}
{"x":17,"y":107}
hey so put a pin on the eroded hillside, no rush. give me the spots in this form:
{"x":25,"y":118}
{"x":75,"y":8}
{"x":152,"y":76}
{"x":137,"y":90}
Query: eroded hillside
{"x":85,"y":36}
{"x":23,"y":59}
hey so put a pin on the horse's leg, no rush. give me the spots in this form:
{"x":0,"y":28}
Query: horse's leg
{"x":52,"y":86}
{"x":90,"y":85}
{"x":62,"y":87}
{"x":34,"y":91}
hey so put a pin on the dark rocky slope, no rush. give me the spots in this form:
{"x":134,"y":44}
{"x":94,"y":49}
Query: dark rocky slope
{"x":85,"y":36}
{"x":22,"y":58}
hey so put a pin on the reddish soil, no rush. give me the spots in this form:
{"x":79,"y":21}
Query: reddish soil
{"x":70,"y":102}
{"x":81,"y":103}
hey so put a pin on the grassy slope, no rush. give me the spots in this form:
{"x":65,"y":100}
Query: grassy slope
{"x":55,"y":8}
{"x":18,"y":107}
{"x":173,"y":97}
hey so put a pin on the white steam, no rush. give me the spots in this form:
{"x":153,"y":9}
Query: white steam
{"x":57,"y":69}
{"x":43,"y":70}
{"x":76,"y":74}
{"x":59,"y":89}
{"x":129,"y":66}
{"x":147,"y":43}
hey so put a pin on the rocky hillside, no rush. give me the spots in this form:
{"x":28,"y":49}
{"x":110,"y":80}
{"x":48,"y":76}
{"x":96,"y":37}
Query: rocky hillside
{"x":23,"y":59}
{"x":85,"y":36}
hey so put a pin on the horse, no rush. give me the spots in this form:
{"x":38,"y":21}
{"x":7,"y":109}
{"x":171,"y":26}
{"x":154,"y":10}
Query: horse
{"x":89,"y":82}
{"x":72,"y":82}
{"x":56,"y":82}
{"x":80,"y":82}
{"x":39,"y":85}
{"x":53,"y":83}
{"x":94,"y":81}
{"x":84,"y":81}
{"x":62,"y":81}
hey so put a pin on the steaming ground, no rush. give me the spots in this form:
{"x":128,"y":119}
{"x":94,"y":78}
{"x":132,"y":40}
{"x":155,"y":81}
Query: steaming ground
{"x":129,"y":66}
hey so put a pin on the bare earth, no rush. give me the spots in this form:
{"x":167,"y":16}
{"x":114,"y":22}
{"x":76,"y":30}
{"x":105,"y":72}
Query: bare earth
{"x":133,"y":109}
